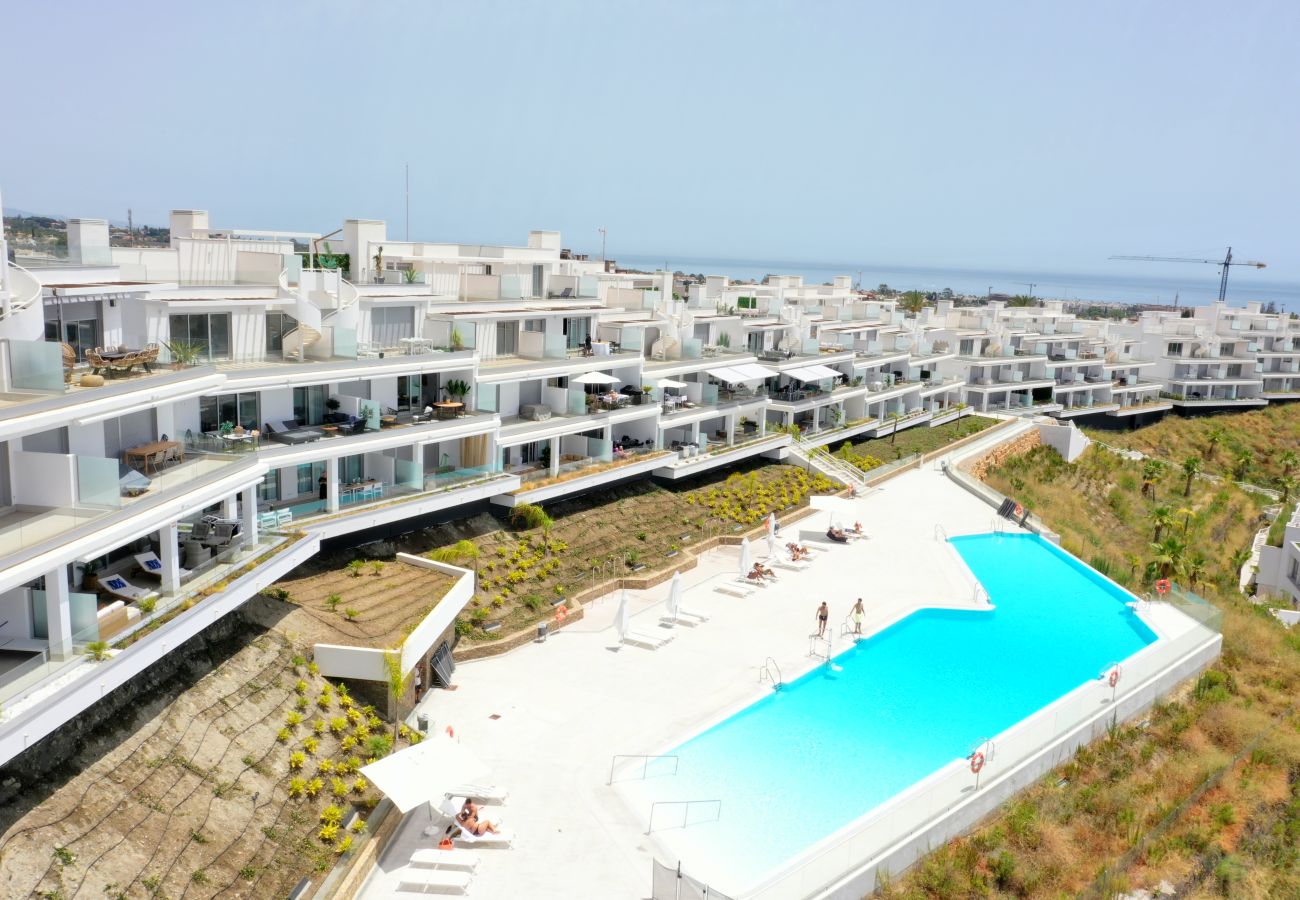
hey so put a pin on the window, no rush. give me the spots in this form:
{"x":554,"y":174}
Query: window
{"x":967,"y":347}
{"x":507,"y":338}
{"x":754,"y":341}
{"x":1175,"y":349}
{"x":269,"y":490}
{"x":389,"y":324}
{"x":309,"y":475}
{"x":237,"y":409}
{"x":211,"y":331}
{"x":278,"y":324}
{"x":82,"y":335}
{"x":309,"y":404}
{"x":408,"y":392}
{"x":577,"y":331}
{"x":535,"y":325}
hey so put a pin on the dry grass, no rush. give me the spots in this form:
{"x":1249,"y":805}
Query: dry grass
{"x":1068,"y":834}
{"x":1263,"y":433}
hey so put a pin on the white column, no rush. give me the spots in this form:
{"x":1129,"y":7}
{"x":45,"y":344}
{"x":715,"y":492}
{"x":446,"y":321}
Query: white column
{"x":762,"y":423}
{"x":230,"y":507}
{"x":169,"y":555}
{"x":731,"y":428}
{"x":58,"y":612}
{"x":248,"y":512}
{"x":332,"y":484}
{"x":695,"y":433}
{"x":555,"y":456}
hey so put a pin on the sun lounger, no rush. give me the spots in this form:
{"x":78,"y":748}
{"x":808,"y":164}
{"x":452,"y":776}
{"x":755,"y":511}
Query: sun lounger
{"x":734,"y":589}
{"x":120,"y":587}
{"x":445,"y":859}
{"x":649,"y":641}
{"x":432,"y":881}
{"x":692,"y":614}
{"x":790,"y":564}
{"x":153,"y":565}
{"x":504,"y":837}
{"x":480,"y":793}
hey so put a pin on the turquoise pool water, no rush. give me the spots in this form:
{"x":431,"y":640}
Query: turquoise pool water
{"x":802,"y":762}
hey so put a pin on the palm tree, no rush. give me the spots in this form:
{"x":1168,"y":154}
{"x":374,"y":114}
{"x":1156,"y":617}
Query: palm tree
{"x":1288,"y":460}
{"x":1239,"y":558}
{"x":894,"y":417}
{"x":1242,"y":464}
{"x":912,"y":301}
{"x":1186,"y":512}
{"x":1168,"y":555}
{"x":1162,"y":517}
{"x":399,"y":683}
{"x":1213,"y":438}
{"x":1194,"y":567}
{"x":458,"y":553}
{"x":1152,"y":471}
{"x":1288,"y":484}
{"x":1191,"y":468}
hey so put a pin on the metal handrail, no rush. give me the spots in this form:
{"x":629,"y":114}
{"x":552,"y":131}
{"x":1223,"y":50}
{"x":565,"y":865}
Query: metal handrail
{"x":645,"y":762}
{"x":686,"y":811}
{"x":812,"y":646}
{"x":765,"y":671}
{"x":940,"y":533}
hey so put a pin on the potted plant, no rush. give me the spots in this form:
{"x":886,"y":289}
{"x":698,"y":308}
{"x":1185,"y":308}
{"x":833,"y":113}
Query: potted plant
{"x":332,"y":404}
{"x":366,"y":414}
{"x":225,"y":428}
{"x":647,"y":393}
{"x":457,"y":389}
{"x":457,"y":342}
{"x":184,"y":353}
{"x":724,"y":340}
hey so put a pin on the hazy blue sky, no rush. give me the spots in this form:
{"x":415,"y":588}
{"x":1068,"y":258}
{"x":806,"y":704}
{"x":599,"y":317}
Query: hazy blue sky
{"x":1031,"y":134}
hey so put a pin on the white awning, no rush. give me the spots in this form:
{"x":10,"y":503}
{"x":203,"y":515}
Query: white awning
{"x":424,"y":772}
{"x":729,"y":375}
{"x":753,"y":370}
{"x":669,"y":383}
{"x":813,"y":373}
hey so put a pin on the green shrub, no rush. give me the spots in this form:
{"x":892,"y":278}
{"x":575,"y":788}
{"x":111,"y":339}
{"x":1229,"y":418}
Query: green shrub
{"x":529,"y":515}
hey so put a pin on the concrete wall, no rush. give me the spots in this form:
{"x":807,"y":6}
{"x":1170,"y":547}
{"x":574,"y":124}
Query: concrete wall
{"x":1064,"y":438}
{"x":43,"y":479}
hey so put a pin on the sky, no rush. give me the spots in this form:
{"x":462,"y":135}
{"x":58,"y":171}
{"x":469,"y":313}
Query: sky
{"x":997,"y":134}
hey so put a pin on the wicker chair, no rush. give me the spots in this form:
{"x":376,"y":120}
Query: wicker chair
{"x":98,"y":365}
{"x":69,"y":361}
{"x":125,"y":364}
{"x":149,"y":356}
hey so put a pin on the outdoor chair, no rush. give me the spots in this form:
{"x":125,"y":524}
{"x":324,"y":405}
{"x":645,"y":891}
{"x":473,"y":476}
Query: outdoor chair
{"x":445,"y":859}
{"x":69,"y":361}
{"x":423,"y":881}
{"x":118,"y":586}
{"x":150,"y":564}
{"x":98,"y":365}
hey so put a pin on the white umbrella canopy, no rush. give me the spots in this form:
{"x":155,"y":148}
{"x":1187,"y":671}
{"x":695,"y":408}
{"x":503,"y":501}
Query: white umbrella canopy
{"x":424,"y":772}
{"x":622,"y":618}
{"x":593,"y":378}
{"x":675,"y":595}
{"x":675,"y":385}
{"x":744,"y":557}
{"x":840,"y":508}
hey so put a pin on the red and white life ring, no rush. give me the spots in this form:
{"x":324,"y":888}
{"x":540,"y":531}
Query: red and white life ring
{"x":561,"y":613}
{"x":976,"y":762}
{"x":451,"y":732}
{"x":1113,"y":678}
{"x":1020,"y":510}
{"x":1162,"y":586}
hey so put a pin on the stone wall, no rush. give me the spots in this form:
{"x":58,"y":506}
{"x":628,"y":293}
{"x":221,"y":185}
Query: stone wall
{"x":1002,"y":452}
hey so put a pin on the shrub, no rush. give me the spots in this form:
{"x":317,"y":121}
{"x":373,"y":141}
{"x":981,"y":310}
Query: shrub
{"x":376,"y":568}
{"x":351,"y":614}
{"x":283,"y":735}
{"x":359,"y":787}
{"x":297,"y":787}
{"x":97,"y":650}
{"x":293,"y":719}
{"x":300,"y":703}
{"x":358,"y":824}
{"x":296,"y":759}
{"x":310,"y":745}
{"x":356,"y":567}
{"x":529,"y":515}
{"x":331,"y":815}
{"x":338,"y":787}
{"x":378,"y":745}
{"x":148,"y":605}
{"x":344,"y":845}
{"x":300,"y":687}
{"x":329,"y":833}
{"x":314,"y":787}
{"x":333,"y":601}
{"x":339,"y":724}
{"x":313,"y":669}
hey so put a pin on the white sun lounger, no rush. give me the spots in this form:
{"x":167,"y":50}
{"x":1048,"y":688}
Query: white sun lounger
{"x":692,"y":614}
{"x":482,"y":793}
{"x":120,"y":587}
{"x":640,"y":639}
{"x":411,"y":880}
{"x":505,"y":837}
{"x":445,"y":859}
{"x":679,"y":619}
{"x":153,"y":565}
{"x":790,"y":565}
{"x":734,"y":589}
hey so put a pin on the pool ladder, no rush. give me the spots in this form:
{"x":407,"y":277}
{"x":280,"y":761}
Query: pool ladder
{"x":770,"y":671}
{"x":814,"y":641}
{"x":940,"y":534}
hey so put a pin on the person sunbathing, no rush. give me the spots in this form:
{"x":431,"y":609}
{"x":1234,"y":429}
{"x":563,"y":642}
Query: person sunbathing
{"x":857,"y":528}
{"x":469,"y":820}
{"x":756,"y":573}
{"x":763,"y":571}
{"x":836,"y":535}
{"x":798,"y":552}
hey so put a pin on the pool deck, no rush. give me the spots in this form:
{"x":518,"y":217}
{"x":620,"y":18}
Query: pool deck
{"x":566,"y":707}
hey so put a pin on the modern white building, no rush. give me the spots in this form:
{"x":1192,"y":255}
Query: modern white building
{"x":1278,"y":572}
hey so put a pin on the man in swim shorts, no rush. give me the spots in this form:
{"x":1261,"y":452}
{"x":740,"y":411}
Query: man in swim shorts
{"x":823,"y":613}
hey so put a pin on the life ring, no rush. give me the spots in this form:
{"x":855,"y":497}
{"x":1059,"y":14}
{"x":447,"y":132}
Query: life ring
{"x":1162,"y":586}
{"x":976,"y":762}
{"x":1113,"y":679}
{"x":561,"y":613}
{"x":1020,"y":510}
{"x":451,"y":732}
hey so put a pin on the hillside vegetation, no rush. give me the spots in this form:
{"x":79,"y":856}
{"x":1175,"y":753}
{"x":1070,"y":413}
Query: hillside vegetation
{"x":1205,"y":792}
{"x":1260,"y":446}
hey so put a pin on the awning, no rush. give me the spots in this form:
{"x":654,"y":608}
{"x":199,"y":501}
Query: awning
{"x":752,"y":370}
{"x":728,"y":375}
{"x":423,"y":772}
{"x":669,"y":383}
{"x":813,"y":373}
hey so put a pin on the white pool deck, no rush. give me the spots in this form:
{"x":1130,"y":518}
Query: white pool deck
{"x":548,"y":718}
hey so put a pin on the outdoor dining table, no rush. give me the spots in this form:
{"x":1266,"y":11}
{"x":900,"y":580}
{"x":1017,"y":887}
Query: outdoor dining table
{"x":448,"y":409}
{"x":146,"y":452}
{"x":114,"y":355}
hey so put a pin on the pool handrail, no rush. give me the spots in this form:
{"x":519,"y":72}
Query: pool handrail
{"x":686,"y":811}
{"x":765,"y":671}
{"x":645,"y":762}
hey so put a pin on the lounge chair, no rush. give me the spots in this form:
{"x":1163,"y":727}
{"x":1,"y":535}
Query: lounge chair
{"x":432,"y":881}
{"x":504,"y":837}
{"x":445,"y":859}
{"x":152,"y":565}
{"x":480,"y":793}
{"x":734,"y":589}
{"x":641,"y":639}
{"x":120,"y":587}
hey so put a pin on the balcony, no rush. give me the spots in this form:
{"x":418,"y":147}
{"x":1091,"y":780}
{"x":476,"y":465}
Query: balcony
{"x":693,"y":461}
{"x":578,"y":473}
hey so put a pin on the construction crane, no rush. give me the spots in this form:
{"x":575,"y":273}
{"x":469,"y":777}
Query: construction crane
{"x":1222,"y":263}
{"x":1029,"y":284}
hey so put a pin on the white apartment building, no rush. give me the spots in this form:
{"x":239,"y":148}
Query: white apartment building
{"x":1278,"y":572}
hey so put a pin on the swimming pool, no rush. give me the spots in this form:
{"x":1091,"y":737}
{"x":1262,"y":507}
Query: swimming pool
{"x":802,"y":762}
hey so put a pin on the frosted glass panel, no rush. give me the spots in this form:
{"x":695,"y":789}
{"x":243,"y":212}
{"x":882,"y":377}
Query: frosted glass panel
{"x":345,"y":342}
{"x":409,"y":474}
{"x":85,"y":618}
{"x":97,"y":481}
{"x":577,"y":401}
{"x":36,"y":365}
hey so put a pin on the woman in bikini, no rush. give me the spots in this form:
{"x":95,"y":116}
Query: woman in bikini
{"x":468,"y":820}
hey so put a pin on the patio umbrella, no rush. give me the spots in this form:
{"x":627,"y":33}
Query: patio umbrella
{"x":622,"y":618}
{"x":744,"y":557}
{"x":771,"y":534}
{"x":424,"y":772}
{"x":593,"y":378}
{"x":839,"y":507}
{"x":675,"y":595}
{"x":670,"y":383}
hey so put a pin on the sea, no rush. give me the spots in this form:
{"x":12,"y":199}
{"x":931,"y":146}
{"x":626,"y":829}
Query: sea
{"x":1127,"y":284}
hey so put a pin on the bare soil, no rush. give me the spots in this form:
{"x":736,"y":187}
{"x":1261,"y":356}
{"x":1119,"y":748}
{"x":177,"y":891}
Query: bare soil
{"x":195,"y":803}
{"x":385,"y":606}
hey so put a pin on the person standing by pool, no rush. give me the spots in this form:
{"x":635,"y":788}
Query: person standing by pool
{"x":823,"y":613}
{"x":858,"y":613}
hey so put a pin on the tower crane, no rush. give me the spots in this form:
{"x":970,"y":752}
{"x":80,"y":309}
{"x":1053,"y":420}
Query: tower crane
{"x":1222,"y":263}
